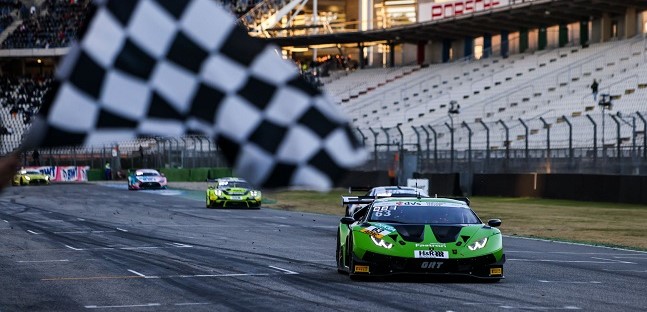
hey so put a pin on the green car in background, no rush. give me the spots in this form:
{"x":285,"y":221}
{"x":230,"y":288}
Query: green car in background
{"x":435,"y":236}
{"x":232,"y":192}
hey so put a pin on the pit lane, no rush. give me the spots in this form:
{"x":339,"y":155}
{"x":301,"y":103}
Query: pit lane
{"x":68,"y":247}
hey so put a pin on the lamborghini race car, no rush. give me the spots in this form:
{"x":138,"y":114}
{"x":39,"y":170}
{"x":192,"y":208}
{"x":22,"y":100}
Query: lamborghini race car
{"x":30,"y":177}
{"x":232,"y":192}
{"x":146,"y":179}
{"x":380,"y":192}
{"x":434,"y":236}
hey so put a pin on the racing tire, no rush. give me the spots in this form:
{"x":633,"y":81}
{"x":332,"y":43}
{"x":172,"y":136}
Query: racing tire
{"x":351,"y":260}
{"x":340,"y":257}
{"x":208,"y":202}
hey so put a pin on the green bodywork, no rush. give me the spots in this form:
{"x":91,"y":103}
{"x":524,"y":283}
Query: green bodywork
{"x":367,"y":257}
{"x":229,"y":194}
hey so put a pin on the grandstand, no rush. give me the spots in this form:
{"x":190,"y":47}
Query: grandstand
{"x":520,"y":71}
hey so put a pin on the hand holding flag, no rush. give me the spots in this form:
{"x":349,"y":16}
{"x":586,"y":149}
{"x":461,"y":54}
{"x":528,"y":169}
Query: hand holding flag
{"x":170,"y":68}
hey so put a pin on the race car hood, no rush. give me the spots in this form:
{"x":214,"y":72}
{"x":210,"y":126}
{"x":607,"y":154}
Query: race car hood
{"x":424,"y":233}
{"x":405,"y":239}
{"x":35,"y":176}
{"x":440,"y":233}
{"x":150,"y":178}
{"x":235,"y":190}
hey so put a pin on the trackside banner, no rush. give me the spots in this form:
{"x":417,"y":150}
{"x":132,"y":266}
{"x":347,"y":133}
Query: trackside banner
{"x":64,"y":173}
{"x":438,"y":11}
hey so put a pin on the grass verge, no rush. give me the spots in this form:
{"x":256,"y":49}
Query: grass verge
{"x":608,"y":224}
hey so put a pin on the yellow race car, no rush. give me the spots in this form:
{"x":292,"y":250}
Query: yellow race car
{"x":233,"y":192}
{"x":30,"y":177}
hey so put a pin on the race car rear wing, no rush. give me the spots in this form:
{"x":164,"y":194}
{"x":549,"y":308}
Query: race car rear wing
{"x":359,"y":189}
{"x":357,"y":200}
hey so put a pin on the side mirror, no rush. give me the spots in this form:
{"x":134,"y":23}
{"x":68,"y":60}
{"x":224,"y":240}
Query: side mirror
{"x":494,"y":222}
{"x":347,"y":220}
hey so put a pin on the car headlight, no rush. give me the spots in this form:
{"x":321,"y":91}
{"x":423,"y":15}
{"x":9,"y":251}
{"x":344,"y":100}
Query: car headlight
{"x":47,"y":178}
{"x":478,"y":244}
{"x":218,"y":192}
{"x":380,"y":242}
{"x":255,"y":193}
{"x":27,"y":178}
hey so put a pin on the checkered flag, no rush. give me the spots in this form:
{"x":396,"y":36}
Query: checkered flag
{"x":170,"y":68}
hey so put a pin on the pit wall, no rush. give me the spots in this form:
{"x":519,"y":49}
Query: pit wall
{"x":581,"y":187}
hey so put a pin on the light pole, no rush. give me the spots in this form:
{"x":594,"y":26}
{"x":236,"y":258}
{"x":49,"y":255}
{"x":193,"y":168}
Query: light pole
{"x":453,"y":110}
{"x":605,"y":104}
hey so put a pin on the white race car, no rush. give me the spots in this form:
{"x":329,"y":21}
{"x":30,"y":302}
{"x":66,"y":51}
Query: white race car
{"x":146,"y":179}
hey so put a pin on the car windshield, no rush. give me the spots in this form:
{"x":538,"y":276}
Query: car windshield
{"x":423,"y":213}
{"x":148,"y":174}
{"x":229,"y":184}
{"x":32,"y":172}
{"x":392,"y":191}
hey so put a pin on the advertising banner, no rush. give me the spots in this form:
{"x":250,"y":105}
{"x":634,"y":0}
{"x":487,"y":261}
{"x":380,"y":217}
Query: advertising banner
{"x":438,"y":11}
{"x":64,"y":173}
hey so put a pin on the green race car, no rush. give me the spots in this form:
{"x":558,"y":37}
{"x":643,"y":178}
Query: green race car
{"x":438,"y":236}
{"x":232,"y":192}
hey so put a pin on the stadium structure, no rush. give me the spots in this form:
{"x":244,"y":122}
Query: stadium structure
{"x":467,"y":86}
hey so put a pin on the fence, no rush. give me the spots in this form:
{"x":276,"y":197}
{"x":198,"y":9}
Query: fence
{"x":400,"y":159}
{"x":185,"y":152}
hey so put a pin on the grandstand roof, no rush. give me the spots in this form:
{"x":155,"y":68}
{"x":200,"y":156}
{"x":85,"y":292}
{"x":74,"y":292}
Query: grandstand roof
{"x":523,"y":14}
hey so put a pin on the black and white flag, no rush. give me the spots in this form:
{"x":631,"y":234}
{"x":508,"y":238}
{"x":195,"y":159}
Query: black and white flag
{"x":175,"y":67}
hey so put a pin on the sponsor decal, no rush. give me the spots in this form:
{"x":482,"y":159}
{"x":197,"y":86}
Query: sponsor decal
{"x":456,"y":8}
{"x":431,"y":265}
{"x":375,"y":231}
{"x":432,"y":245}
{"x":384,"y":227}
{"x":496,"y":271}
{"x":409,"y":203}
{"x":436,"y":254}
{"x":361,"y":269}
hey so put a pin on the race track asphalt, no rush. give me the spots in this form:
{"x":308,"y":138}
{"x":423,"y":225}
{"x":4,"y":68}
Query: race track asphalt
{"x":80,"y":247}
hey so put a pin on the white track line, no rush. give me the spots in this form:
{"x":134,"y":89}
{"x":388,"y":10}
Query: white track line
{"x":83,"y":232}
{"x":123,"y":306}
{"x":283,"y":270}
{"x":32,"y":232}
{"x":118,"y":229}
{"x":137,"y":273}
{"x":613,"y":260}
{"x":540,"y":308}
{"x":5,"y":221}
{"x":569,"y":282}
{"x":191,"y":303}
{"x":42,"y":261}
{"x":576,"y":244}
{"x":70,"y":247}
{"x":635,"y":271}
{"x":560,"y":261}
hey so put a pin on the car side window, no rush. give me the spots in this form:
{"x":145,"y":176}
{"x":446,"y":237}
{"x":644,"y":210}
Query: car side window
{"x":361,"y":213}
